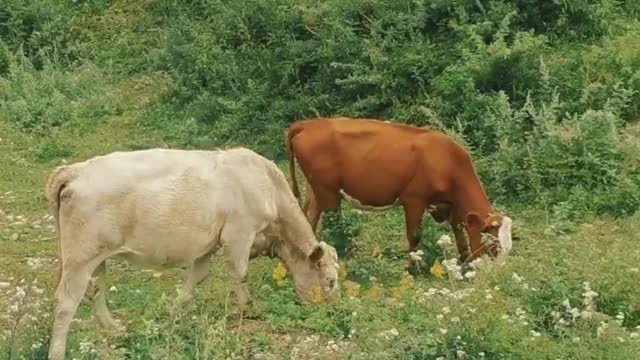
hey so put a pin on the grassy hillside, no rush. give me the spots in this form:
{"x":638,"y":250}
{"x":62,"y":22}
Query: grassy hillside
{"x":545,"y":94}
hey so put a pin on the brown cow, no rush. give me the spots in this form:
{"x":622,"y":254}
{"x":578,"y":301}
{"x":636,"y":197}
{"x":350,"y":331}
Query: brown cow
{"x":378,"y":165}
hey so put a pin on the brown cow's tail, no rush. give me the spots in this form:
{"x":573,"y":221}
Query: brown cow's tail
{"x":56,"y":182}
{"x":291,"y":133}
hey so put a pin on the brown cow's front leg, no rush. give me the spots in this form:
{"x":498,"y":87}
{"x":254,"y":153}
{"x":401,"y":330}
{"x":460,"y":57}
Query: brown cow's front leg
{"x":461,"y":241}
{"x":413,"y":212}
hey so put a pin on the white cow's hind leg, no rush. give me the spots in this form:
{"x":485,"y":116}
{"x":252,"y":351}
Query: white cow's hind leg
{"x":195,"y":274}
{"x":69,"y":293}
{"x":237,"y":242}
{"x":102,"y":311}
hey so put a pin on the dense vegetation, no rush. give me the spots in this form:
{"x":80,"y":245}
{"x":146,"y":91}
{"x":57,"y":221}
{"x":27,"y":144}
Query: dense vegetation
{"x":544,"y":93}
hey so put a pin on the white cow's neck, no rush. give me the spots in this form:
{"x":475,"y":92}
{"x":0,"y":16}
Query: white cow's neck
{"x":296,"y":233}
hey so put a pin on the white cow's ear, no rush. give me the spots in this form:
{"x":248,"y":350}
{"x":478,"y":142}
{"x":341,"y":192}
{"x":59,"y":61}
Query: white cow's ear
{"x":317,"y":253}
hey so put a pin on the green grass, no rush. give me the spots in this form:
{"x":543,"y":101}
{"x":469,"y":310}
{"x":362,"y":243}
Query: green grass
{"x":554,"y":258}
{"x":550,"y":116}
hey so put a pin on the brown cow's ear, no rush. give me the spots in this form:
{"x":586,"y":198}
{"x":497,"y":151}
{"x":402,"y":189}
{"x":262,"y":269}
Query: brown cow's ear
{"x":316,"y":254}
{"x":474,"y":220}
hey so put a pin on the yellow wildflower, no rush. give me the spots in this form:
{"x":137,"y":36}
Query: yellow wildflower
{"x":377,"y":252}
{"x":342,"y":272}
{"x":352,"y":289}
{"x":438,"y":270}
{"x":280,"y":274}
{"x":406,"y":283}
{"x":375,"y":292}
{"x":316,"y":295}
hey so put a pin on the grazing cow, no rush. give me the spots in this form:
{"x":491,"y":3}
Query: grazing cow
{"x":165,"y":208}
{"x":377,"y":165}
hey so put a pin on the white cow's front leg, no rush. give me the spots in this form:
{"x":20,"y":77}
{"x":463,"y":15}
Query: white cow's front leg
{"x":237,"y":250}
{"x":194,"y":275}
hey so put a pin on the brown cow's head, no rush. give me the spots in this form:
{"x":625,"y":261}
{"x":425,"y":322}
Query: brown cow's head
{"x":497,"y":226}
{"x":316,"y":277}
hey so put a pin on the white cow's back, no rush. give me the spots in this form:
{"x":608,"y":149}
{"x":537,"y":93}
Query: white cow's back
{"x":167,"y":207}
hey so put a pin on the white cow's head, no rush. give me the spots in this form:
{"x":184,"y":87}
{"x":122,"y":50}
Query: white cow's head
{"x":315,"y":277}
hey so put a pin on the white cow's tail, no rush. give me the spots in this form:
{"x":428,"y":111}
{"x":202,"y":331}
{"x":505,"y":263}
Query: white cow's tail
{"x":56,"y":183}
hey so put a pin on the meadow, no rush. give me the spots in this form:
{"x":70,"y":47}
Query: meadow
{"x":544,"y":94}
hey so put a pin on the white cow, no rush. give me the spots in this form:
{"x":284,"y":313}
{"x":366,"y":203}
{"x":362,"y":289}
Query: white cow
{"x":165,"y":208}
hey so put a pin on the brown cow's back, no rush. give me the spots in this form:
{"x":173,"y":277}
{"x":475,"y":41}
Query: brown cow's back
{"x":373,"y":161}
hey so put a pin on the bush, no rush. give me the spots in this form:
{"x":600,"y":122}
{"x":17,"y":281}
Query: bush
{"x":540,"y":91}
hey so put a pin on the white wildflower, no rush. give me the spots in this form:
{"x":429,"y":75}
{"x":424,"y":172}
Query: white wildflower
{"x":470,"y":274}
{"x":575,"y":313}
{"x":455,"y":319}
{"x":461,"y":354}
{"x":20,"y":293}
{"x":439,"y":316}
{"x":488,"y":296}
{"x":332,"y":346}
{"x":444,"y":331}
{"x":446,"y":310}
{"x":416,"y":256}
{"x":586,"y":314}
{"x":388,"y":334}
{"x":113,"y":288}
{"x":601,"y":329}
{"x":576,"y":339}
{"x":535,"y":333}
{"x":453,"y":269}
{"x":517,"y":278}
{"x":476,"y":263}
{"x":444,"y":291}
{"x":86,"y":347}
{"x":481,"y":354}
{"x":634,"y":335}
{"x":444,"y":240}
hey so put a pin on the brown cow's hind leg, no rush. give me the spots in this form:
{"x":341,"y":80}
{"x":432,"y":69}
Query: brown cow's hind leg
{"x":311,"y":209}
{"x":413,"y":212}
{"x":319,"y":201}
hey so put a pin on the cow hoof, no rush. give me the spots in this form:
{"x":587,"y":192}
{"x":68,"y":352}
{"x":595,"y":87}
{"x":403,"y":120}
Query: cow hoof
{"x":413,"y":268}
{"x":246,"y":305}
{"x":113,"y":327}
